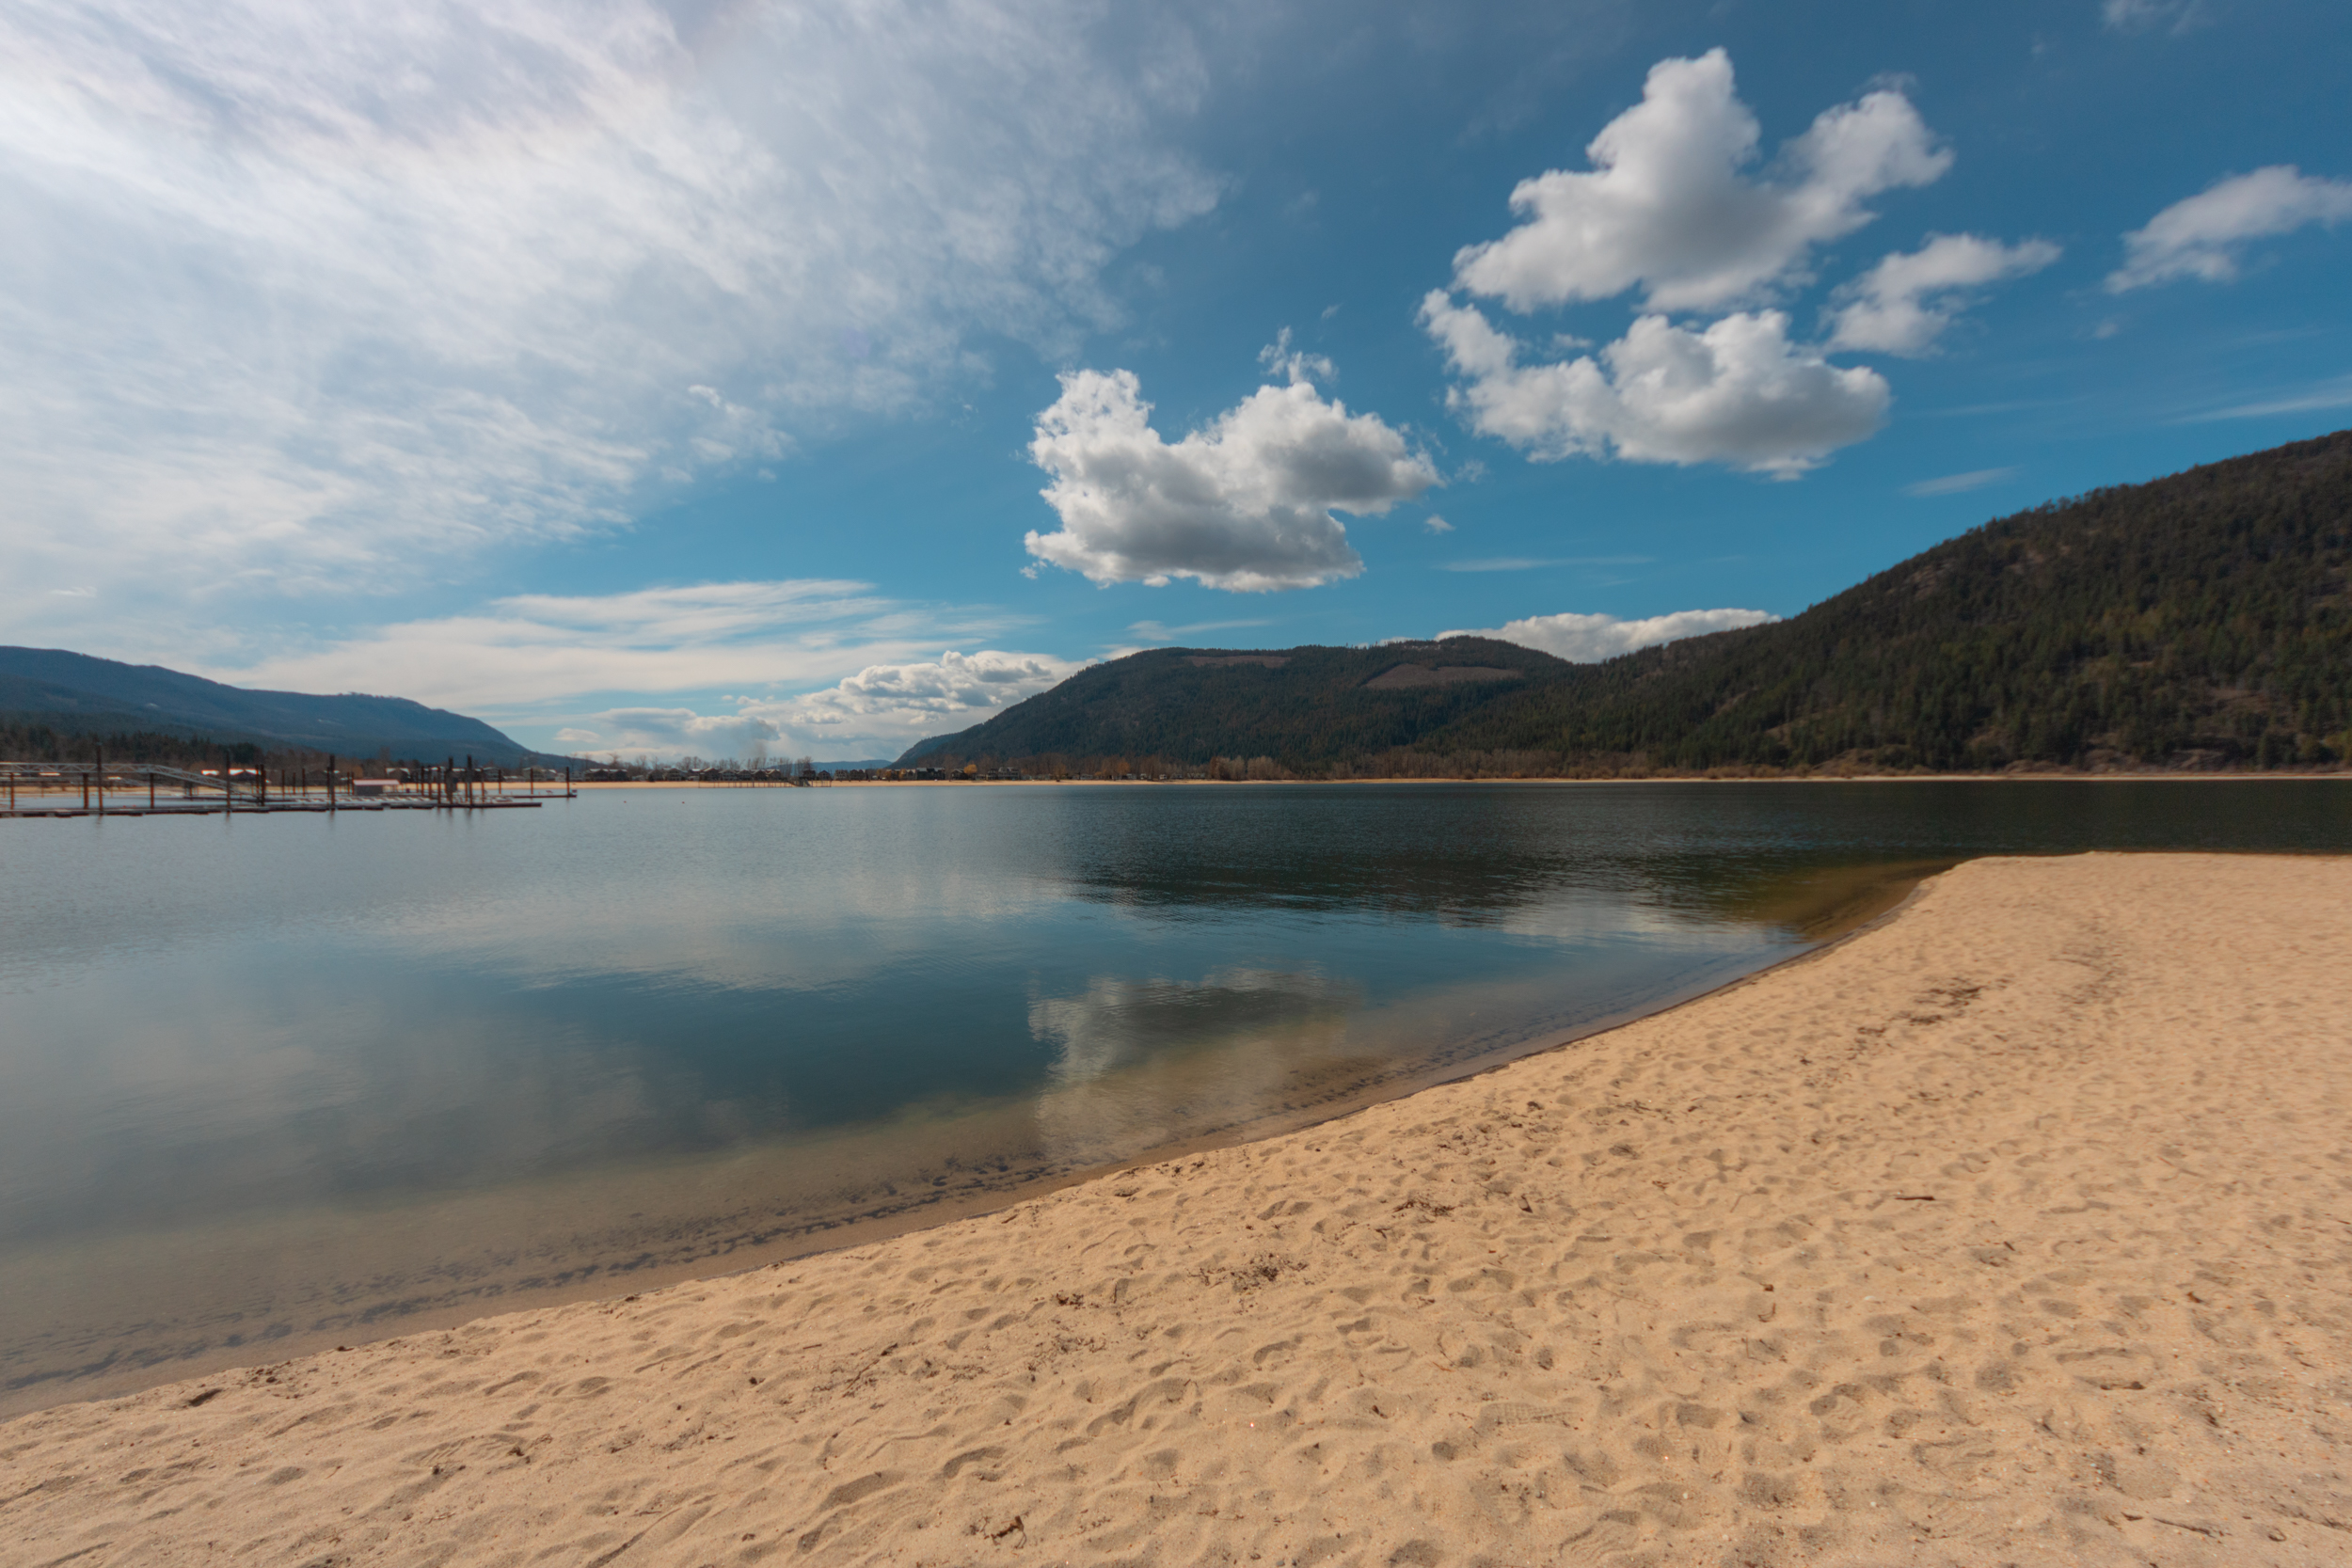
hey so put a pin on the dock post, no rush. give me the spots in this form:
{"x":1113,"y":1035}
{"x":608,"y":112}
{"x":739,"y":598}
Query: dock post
{"x":330,"y":781}
{"x":100,"y":752}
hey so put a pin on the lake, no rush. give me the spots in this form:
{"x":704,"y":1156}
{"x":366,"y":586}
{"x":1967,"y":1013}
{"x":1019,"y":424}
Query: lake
{"x":269,"y":1084}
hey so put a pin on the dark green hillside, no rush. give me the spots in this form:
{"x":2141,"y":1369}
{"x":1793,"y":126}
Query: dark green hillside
{"x":63,"y":694}
{"x":2197,"y":620}
{"x":1302,"y":707}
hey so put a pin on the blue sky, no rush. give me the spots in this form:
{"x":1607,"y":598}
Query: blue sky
{"x":693,"y":377}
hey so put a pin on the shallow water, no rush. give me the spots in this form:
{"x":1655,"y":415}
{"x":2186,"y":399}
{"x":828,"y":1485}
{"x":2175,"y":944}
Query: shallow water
{"x":268,"y":1083}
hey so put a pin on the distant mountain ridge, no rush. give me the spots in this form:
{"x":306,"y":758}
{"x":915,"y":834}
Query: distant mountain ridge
{"x":2202,"y":620}
{"x":78,"y":694}
{"x":1298,"y":705}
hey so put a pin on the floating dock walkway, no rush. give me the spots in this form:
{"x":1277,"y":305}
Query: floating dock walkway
{"x":148,"y":789}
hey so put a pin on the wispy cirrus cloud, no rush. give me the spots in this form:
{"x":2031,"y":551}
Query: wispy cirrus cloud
{"x":2312,"y":400}
{"x":2146,"y":16}
{"x":2203,"y":236}
{"x":1954,"y":485}
{"x":1530,"y":563}
{"x":313,"y":294}
{"x":1155,"y":632}
{"x":541,"y":656}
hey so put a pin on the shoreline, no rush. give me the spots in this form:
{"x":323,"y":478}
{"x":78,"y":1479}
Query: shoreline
{"x":1979,"y":1234}
{"x":2276,"y":775}
{"x":1824,"y":910}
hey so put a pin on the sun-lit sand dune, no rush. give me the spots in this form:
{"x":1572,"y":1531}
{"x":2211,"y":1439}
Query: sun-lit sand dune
{"x":2017,"y":1229}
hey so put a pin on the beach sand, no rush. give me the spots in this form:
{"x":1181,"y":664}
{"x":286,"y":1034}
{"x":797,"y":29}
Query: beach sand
{"x":2015,"y":1230}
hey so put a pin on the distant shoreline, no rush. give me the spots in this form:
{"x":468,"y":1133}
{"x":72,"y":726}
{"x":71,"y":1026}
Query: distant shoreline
{"x":2275,"y":775}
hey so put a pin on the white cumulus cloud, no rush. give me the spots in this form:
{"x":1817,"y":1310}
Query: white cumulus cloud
{"x":1245,"y":503}
{"x":1904,"y":303}
{"x":645,"y":733}
{"x":912,"y":700}
{"x":305,"y":293}
{"x":1671,"y":202}
{"x":1590,"y":639}
{"x":877,"y":711}
{"x":1738,"y":392}
{"x":2201,"y":236}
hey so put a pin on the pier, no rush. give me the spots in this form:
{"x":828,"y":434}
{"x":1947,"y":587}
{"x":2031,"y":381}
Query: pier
{"x":101,"y":789}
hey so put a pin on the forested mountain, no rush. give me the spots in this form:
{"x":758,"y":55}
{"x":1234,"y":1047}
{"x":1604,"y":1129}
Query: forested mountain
{"x":2198,"y":621}
{"x":67,"y":698}
{"x":1299,"y":705}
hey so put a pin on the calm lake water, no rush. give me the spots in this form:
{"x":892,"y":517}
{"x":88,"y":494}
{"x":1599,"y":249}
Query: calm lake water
{"x":272,"y":1083}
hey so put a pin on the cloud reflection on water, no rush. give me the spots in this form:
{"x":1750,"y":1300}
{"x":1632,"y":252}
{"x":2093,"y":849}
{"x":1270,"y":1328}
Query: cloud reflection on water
{"x":1148,"y":1062}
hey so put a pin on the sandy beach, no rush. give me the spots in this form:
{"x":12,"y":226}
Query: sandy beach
{"x":2016,"y":1229}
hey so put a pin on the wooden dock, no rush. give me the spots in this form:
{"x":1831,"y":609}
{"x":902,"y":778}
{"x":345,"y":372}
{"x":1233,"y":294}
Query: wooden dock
{"x":100,"y":789}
